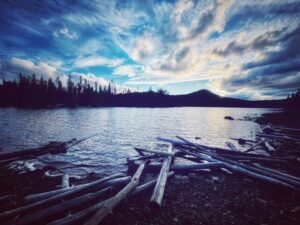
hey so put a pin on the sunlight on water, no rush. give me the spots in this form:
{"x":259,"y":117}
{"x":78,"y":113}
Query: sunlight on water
{"x":120,"y":129}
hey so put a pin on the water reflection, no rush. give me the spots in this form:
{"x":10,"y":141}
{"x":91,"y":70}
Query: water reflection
{"x":120,"y":129}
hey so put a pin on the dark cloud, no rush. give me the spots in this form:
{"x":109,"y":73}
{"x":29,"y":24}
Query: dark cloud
{"x":289,"y":49}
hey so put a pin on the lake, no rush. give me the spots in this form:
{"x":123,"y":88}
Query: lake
{"x":119,"y":130}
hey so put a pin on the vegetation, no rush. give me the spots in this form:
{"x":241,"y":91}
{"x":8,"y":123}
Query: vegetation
{"x":29,"y":91}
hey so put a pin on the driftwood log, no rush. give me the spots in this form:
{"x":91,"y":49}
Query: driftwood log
{"x":54,"y":212}
{"x":120,"y":196}
{"x":159,"y":189}
{"x":262,"y":174}
{"x":41,"y":196}
{"x":54,"y":199}
{"x":81,"y":216}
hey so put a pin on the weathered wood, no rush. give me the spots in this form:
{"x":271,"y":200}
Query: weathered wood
{"x":278,"y":172}
{"x":231,"y":146}
{"x":278,"y":137}
{"x":44,"y":195}
{"x":254,"y":159}
{"x":54,"y":199}
{"x":120,"y":196}
{"x":274,"y":178}
{"x":269,"y":147}
{"x":54,"y":212}
{"x":143,"y":187}
{"x":158,"y":192}
{"x":255,"y":145}
{"x":138,"y":158}
{"x":65,"y":181}
{"x":84,"y":214}
{"x":156,"y":152}
{"x":213,"y":149}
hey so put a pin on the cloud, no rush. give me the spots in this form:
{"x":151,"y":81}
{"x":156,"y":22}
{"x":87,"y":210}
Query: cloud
{"x":92,"y":61}
{"x":240,"y":48}
{"x":65,"y":32}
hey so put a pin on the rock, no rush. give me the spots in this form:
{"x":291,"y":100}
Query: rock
{"x":228,"y":118}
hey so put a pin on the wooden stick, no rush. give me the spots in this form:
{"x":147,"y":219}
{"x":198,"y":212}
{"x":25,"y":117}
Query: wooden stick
{"x":278,"y":137}
{"x":54,"y":199}
{"x":55,"y":211}
{"x":109,"y":205}
{"x":155,"y":152}
{"x":158,"y":192}
{"x":269,"y":147}
{"x":231,"y":146}
{"x":44,"y":195}
{"x":84,"y":214}
{"x":283,"y":181}
{"x":253,"y":146}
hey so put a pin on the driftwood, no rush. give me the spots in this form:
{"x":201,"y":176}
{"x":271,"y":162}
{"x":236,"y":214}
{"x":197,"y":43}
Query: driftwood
{"x":55,"y":211}
{"x":159,"y":189}
{"x":231,"y":146}
{"x":138,"y":158}
{"x":214,"y":149}
{"x":269,"y":147}
{"x":255,"y":159}
{"x":84,"y":214}
{"x":156,"y":152}
{"x":255,"y":145}
{"x":41,"y":196}
{"x":54,"y":199}
{"x":259,"y":173}
{"x":52,"y":148}
{"x":278,"y":172}
{"x":278,"y":137}
{"x":145,"y":186}
{"x":120,"y":196}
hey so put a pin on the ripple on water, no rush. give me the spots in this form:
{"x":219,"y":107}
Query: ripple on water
{"x":119,"y":130}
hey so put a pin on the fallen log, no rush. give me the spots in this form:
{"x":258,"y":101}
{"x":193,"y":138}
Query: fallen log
{"x":54,"y":212}
{"x":278,"y":172}
{"x":214,"y":149}
{"x":179,"y":168}
{"x":138,"y":158}
{"x":274,"y":178}
{"x":143,"y":187}
{"x":81,"y":216}
{"x":54,"y":199}
{"x":155,"y":152}
{"x":52,"y":148}
{"x":41,"y":196}
{"x":120,"y":196}
{"x":278,"y":137}
{"x":255,"y":159}
{"x":231,"y":146}
{"x":269,"y":147}
{"x":158,"y":192}
{"x":255,"y":145}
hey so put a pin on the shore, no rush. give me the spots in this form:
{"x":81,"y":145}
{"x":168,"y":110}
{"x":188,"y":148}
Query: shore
{"x":215,"y":197}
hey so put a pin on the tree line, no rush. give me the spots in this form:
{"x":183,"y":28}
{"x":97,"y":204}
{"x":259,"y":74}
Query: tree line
{"x":293,"y":100}
{"x":28,"y":91}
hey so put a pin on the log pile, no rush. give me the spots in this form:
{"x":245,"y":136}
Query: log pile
{"x":90,"y":203}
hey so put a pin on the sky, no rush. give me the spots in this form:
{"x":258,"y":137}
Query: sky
{"x":244,"y":49}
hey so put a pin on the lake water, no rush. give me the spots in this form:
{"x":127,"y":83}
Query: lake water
{"x":120,"y":129}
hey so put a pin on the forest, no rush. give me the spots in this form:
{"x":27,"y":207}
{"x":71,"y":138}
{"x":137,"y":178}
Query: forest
{"x":28,"y":91}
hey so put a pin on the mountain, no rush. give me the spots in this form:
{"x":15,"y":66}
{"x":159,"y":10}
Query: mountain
{"x":202,"y":98}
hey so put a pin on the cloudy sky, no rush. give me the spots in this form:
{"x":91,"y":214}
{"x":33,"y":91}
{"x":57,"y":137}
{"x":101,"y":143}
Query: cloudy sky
{"x":246,"y":49}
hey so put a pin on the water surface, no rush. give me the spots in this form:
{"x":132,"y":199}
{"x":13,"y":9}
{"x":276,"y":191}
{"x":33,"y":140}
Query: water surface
{"x":120,"y":129}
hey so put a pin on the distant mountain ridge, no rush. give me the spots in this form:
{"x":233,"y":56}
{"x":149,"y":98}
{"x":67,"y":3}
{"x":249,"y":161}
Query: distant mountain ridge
{"x":202,"y":97}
